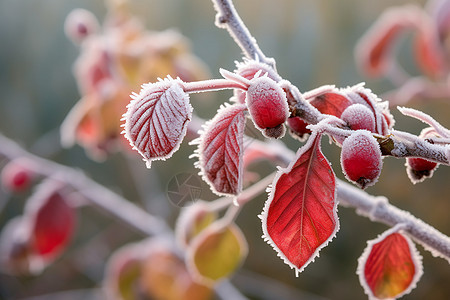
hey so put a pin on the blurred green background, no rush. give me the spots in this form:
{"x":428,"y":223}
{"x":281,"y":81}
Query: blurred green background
{"x":312,"y":42}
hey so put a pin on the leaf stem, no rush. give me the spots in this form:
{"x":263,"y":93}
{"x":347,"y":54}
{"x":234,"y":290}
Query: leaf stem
{"x":211,"y":85}
{"x":256,"y":189}
{"x":247,"y":195}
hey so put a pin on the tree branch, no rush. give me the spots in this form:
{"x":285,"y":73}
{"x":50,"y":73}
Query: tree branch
{"x":378,"y":209}
{"x":228,"y":18}
{"x":95,"y":193}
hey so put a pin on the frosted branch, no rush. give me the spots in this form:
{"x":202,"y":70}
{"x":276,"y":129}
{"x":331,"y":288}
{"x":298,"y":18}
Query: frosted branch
{"x":95,"y":193}
{"x":403,"y":144}
{"x":228,"y":18}
{"x":378,"y":209}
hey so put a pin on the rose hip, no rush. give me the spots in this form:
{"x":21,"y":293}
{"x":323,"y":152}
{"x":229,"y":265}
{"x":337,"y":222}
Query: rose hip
{"x":361,"y":158}
{"x":267,"y":105}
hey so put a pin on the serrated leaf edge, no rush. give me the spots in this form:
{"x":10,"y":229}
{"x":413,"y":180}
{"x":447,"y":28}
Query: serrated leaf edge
{"x":415,"y":255}
{"x":264,"y":213}
{"x":171,"y":83}
{"x":198,"y":142}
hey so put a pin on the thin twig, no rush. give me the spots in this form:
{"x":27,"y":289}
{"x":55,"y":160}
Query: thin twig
{"x":228,"y":18}
{"x":226,"y":290}
{"x":378,"y":209}
{"x":95,"y":193}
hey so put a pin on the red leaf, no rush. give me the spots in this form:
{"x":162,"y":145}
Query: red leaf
{"x":52,"y":221}
{"x":390,"y":266}
{"x":220,"y":150}
{"x":374,"y":50}
{"x":331,"y":103}
{"x":428,"y":53}
{"x":157,"y":118}
{"x":300,"y":216}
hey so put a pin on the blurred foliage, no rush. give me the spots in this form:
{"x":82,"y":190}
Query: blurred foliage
{"x":312,"y":42}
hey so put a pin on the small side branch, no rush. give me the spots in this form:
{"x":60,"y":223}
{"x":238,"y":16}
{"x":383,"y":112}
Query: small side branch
{"x":378,"y":209}
{"x":95,"y":193}
{"x":228,"y":18}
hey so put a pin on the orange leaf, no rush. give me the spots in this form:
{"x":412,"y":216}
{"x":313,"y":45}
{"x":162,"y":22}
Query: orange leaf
{"x":390,"y":266}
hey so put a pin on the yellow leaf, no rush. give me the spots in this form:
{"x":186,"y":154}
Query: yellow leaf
{"x":217,"y":252}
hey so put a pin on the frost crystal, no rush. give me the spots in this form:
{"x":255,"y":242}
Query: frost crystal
{"x":361,"y":158}
{"x":220,"y":150}
{"x":156,"y":119}
{"x":267,"y":105}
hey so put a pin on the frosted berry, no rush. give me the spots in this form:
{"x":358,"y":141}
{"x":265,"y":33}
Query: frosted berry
{"x":16,"y":177}
{"x":267,"y":105}
{"x":248,"y":70}
{"x":418,"y":168}
{"x":359,"y":116}
{"x":361,"y":158}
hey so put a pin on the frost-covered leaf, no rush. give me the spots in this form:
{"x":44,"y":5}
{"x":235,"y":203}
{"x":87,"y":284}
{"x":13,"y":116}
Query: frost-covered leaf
{"x":390,"y":266}
{"x":220,"y":150}
{"x":157,"y":118}
{"x":216,"y":252}
{"x":300,"y":215}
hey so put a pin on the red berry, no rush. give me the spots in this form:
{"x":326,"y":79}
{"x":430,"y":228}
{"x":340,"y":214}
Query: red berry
{"x":267,"y":105}
{"x":361,"y":158}
{"x":16,"y":177}
{"x":359,"y":116}
{"x":418,"y":168}
{"x":248,"y":70}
